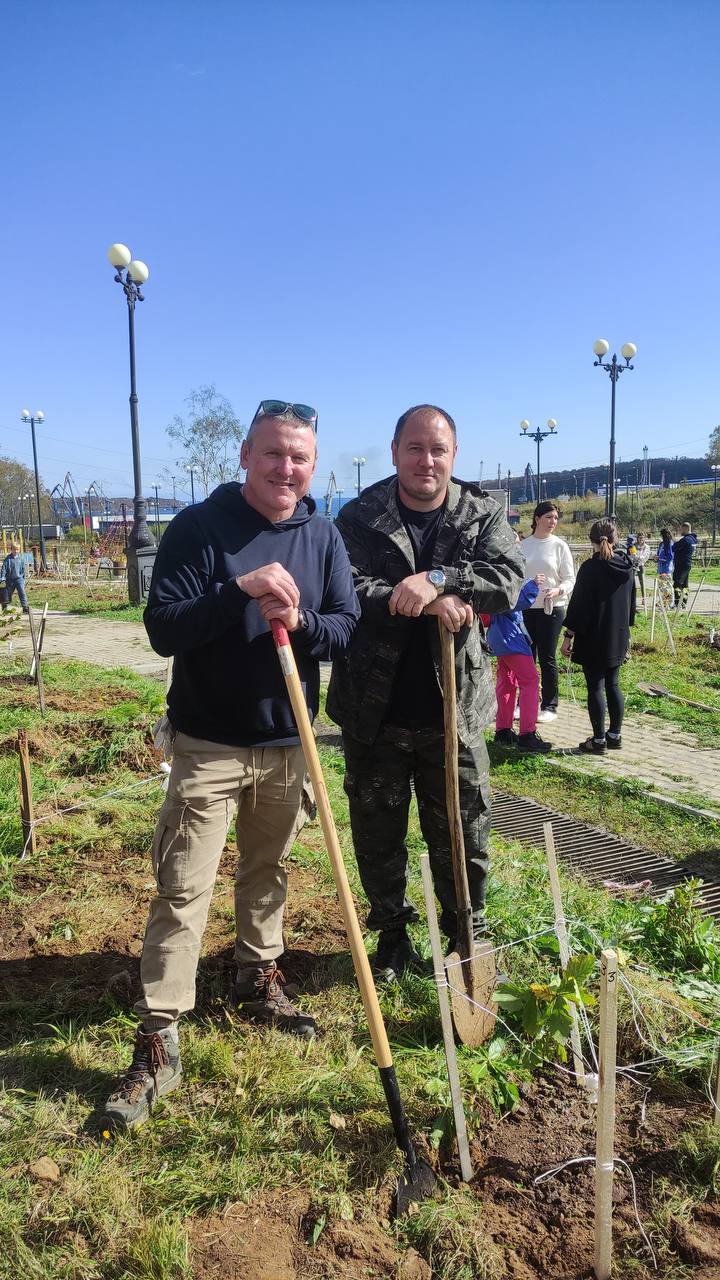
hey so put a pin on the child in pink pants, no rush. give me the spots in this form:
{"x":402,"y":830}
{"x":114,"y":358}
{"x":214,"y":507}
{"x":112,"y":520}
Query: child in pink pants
{"x":516,"y":669}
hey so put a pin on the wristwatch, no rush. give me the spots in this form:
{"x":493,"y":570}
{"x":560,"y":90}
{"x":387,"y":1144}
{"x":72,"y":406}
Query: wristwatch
{"x":438,"y":579}
{"x":303,"y":623}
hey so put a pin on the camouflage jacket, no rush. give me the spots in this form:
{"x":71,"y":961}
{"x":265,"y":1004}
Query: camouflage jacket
{"x":482,"y":562}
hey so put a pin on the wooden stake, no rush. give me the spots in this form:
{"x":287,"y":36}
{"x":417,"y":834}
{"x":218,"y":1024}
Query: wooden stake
{"x":38,"y":670}
{"x":168,"y":673}
{"x":667,"y":624}
{"x":605,"y":1145}
{"x":700,"y":585}
{"x":654,"y":608}
{"x":716,"y":1091}
{"x":41,"y":638}
{"x":562,"y":938}
{"x":27,"y":814}
{"x":446,"y":1020}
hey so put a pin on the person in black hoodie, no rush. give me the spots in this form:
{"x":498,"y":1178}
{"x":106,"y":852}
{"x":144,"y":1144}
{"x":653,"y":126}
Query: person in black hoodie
{"x":224,"y":570}
{"x":597,"y":632}
{"x":683,"y":552}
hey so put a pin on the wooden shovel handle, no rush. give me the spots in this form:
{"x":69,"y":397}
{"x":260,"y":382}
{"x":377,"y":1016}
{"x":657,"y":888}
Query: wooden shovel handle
{"x":452,"y":792}
{"x":363,"y":972}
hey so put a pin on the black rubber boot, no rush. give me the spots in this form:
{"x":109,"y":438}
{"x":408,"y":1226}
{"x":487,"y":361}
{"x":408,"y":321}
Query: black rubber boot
{"x":395,"y":955}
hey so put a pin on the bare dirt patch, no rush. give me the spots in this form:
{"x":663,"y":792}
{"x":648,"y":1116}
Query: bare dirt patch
{"x":542,"y":1232}
{"x":106,"y":903}
{"x":546,"y":1230}
{"x":273,"y":1241}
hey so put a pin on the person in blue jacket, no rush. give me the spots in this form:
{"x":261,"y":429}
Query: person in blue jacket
{"x":13,"y":571}
{"x":516,"y":670}
{"x":227,"y":568}
{"x":665,"y":567}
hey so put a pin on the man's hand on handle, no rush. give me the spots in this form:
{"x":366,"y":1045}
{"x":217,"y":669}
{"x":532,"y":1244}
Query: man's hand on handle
{"x":273,"y":580}
{"x":273,"y":610}
{"x":453,"y":612}
{"x":276,"y":592}
{"x":412,"y":595}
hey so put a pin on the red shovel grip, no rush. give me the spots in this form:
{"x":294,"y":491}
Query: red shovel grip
{"x":280,"y":635}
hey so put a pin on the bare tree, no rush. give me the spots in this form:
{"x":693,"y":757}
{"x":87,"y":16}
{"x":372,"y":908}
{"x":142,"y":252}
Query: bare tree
{"x":209,"y":436}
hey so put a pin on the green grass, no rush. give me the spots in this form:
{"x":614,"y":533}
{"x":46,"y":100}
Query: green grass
{"x":254,"y":1113}
{"x":100,"y":599}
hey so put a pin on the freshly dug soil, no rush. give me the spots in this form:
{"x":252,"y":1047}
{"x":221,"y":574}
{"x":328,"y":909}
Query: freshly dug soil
{"x":272,"y":1241}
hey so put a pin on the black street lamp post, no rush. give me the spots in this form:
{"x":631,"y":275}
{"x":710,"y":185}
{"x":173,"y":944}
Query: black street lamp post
{"x":358,"y":462}
{"x":141,"y":544}
{"x":157,"y":512}
{"x":628,"y":352}
{"x":191,"y":469}
{"x":715,"y":468}
{"x":538,"y":436}
{"x":32,"y":418}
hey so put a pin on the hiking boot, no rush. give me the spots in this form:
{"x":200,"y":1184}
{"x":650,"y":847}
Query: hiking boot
{"x":395,"y":955}
{"x":594,"y":746}
{"x":533,"y":744}
{"x":613,"y":741}
{"x":155,"y":1069}
{"x":262,"y":995}
{"x":506,"y":738}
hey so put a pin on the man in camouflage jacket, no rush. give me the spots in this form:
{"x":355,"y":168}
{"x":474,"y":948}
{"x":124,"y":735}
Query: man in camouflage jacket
{"x":423,"y":546}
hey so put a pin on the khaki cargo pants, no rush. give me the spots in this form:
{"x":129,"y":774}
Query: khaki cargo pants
{"x":208,"y":781}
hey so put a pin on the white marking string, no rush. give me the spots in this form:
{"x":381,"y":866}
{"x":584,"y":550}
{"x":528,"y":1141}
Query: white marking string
{"x":91,"y":800}
{"x":606,"y":1168}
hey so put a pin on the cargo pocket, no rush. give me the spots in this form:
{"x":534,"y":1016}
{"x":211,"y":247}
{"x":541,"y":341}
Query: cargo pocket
{"x":171,"y":849}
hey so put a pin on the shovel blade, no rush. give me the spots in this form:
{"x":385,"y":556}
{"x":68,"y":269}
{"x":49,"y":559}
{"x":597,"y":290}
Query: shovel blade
{"x":471,"y":986}
{"x":417,"y":1183}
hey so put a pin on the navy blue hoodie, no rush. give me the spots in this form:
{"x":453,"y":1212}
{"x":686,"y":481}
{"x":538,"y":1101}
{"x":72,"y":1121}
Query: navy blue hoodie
{"x":227,"y":683}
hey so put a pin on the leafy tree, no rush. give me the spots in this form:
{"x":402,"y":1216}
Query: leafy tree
{"x":16,"y":479}
{"x":713,"y":453}
{"x":210,"y":436}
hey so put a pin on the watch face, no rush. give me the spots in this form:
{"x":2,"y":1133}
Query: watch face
{"x":437,"y":577}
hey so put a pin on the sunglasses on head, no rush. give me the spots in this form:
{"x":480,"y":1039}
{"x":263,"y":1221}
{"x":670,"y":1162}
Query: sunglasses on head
{"x":281,"y":408}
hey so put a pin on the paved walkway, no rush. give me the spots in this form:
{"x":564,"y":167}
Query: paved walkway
{"x":653,"y":751}
{"x":99,"y":640}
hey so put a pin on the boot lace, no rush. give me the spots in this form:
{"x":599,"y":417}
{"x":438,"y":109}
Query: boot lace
{"x":269,"y":987}
{"x":148,"y":1058}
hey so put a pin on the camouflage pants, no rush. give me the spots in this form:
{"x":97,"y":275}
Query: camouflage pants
{"x":377,"y":782}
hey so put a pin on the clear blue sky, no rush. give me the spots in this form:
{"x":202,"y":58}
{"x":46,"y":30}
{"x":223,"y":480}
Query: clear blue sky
{"x":362,"y":206}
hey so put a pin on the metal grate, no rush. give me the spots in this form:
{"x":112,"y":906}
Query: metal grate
{"x":594,"y":853}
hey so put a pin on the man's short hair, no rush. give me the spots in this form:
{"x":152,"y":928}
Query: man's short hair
{"x":267,"y":417}
{"x":416,"y":409}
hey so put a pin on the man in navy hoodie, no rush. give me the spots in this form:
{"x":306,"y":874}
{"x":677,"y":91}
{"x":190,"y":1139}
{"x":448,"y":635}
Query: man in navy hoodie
{"x":224,"y":570}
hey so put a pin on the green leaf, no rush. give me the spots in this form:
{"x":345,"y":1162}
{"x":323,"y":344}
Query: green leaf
{"x":318,"y":1229}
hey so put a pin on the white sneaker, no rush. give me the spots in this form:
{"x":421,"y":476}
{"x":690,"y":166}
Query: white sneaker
{"x":545,"y":716}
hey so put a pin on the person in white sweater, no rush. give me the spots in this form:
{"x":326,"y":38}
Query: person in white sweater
{"x":548,"y":554}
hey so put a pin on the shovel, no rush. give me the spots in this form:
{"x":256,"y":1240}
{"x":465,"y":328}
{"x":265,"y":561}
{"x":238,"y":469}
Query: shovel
{"x":418,"y":1182}
{"x":471,"y":969}
{"x":659,"y":691}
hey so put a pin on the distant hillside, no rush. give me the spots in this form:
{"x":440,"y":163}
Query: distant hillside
{"x":581,"y":479}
